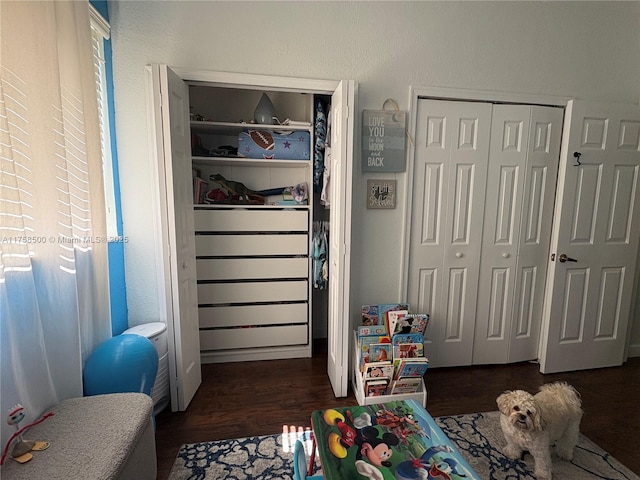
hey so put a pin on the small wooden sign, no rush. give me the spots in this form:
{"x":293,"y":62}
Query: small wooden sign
{"x":383,"y":141}
{"x":381,"y":193}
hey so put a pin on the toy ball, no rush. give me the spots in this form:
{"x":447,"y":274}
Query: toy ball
{"x":124,"y":363}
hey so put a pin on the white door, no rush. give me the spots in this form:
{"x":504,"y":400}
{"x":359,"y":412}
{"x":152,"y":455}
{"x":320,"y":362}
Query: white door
{"x":342,"y":114}
{"x":174,"y":140}
{"x":595,"y":239}
{"x":521,"y":182}
{"x":450,"y":173}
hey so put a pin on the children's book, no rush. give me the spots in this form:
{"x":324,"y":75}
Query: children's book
{"x":392,"y":319}
{"x":364,"y":331}
{"x":383,"y":308}
{"x":399,"y":338}
{"x":408,"y":350}
{"x":406,"y":385}
{"x":376,"y":388}
{"x":380,"y":352}
{"x":411,"y":367}
{"x":369,"y":339}
{"x":378,"y":370}
{"x":369,"y":315}
{"x":412,"y":323}
{"x":367,"y":354}
{"x":366,"y":342}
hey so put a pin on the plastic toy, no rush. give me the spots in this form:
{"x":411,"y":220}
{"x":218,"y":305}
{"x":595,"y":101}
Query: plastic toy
{"x":21,"y":452}
{"x":300,"y":192}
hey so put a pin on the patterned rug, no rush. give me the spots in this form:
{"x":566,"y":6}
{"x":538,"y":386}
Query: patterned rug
{"x":477,"y":436}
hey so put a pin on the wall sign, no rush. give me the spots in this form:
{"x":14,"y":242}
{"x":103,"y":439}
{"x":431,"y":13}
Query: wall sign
{"x":383,"y":141}
{"x":381,"y":194}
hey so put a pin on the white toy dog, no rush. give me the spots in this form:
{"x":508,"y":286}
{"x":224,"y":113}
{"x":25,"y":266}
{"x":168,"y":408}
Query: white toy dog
{"x":535,"y":422}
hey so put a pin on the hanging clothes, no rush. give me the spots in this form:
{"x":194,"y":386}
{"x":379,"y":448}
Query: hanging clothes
{"x":325,"y":195}
{"x":320,"y":254}
{"x":320,"y":133}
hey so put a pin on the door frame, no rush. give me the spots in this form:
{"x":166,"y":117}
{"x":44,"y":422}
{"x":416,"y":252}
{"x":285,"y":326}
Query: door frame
{"x":417,"y":93}
{"x":239,"y":81}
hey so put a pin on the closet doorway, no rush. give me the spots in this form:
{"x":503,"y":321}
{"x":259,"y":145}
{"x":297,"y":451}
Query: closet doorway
{"x":215,"y":326}
{"x":484,"y":179}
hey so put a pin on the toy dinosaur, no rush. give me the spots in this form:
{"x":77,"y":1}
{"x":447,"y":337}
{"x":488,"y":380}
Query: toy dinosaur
{"x":245,"y":194}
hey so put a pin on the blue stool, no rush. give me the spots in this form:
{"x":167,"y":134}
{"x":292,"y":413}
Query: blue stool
{"x":124,"y":363}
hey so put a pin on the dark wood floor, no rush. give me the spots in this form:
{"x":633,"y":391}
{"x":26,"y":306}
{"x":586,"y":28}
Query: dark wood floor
{"x":258,"y":398}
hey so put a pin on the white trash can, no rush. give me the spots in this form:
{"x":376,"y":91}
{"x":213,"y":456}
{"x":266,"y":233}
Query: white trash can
{"x":157,"y":333}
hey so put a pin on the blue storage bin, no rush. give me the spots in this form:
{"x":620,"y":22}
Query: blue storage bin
{"x":265,"y":144}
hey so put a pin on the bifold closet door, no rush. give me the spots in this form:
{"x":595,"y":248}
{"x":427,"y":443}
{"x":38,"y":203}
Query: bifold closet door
{"x":521,"y":182}
{"x":483,"y":190}
{"x":450,"y":172}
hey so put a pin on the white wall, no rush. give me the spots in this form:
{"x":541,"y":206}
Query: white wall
{"x":587,"y":50}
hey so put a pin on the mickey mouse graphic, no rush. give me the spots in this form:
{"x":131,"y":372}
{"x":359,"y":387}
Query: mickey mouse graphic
{"x":373,"y":451}
{"x":377,"y":450}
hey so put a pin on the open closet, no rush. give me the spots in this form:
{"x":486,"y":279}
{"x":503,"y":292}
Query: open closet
{"x":253,"y":254}
{"x":255,"y":280}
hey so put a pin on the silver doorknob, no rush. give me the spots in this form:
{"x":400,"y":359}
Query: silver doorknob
{"x":505,"y":255}
{"x":564,"y":258}
{"x":458,"y":255}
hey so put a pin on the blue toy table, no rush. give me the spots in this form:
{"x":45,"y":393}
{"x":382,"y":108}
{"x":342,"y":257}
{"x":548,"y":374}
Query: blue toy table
{"x":392,"y":441}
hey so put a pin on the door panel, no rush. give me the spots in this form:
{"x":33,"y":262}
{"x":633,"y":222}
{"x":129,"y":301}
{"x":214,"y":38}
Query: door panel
{"x":176,"y":148}
{"x":596,"y":223}
{"x":540,"y":177}
{"x":480,"y":227}
{"x":525,"y":147}
{"x":339,"y":328}
{"x":502,"y":218}
{"x":452,"y":140}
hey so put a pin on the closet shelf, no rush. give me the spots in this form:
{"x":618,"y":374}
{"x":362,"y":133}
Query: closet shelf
{"x":228,"y":206}
{"x":250,"y":162}
{"x":231,"y":128}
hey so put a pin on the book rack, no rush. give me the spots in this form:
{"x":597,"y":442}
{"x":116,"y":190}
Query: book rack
{"x":358,"y":386}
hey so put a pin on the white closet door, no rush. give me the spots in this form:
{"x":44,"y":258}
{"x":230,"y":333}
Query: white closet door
{"x":339,"y":328}
{"x":523,"y":162}
{"x":450,"y":170}
{"x":597,"y":226}
{"x":545,"y":137}
{"x":171,"y":107}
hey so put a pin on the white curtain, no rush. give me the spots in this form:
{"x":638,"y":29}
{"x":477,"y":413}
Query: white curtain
{"x":54,"y":297}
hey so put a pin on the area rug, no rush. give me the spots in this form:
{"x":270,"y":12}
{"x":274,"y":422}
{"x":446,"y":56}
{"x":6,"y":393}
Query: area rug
{"x":477,"y":436}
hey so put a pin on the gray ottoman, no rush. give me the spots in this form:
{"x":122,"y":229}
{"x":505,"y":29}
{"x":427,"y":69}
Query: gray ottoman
{"x":101,"y":437}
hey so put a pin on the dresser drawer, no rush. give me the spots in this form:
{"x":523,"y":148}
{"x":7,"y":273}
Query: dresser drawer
{"x":260,"y":220}
{"x":252,"y":268}
{"x":252,"y":292}
{"x":244,"y":315}
{"x":234,"y":338}
{"x":236,"y":245}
